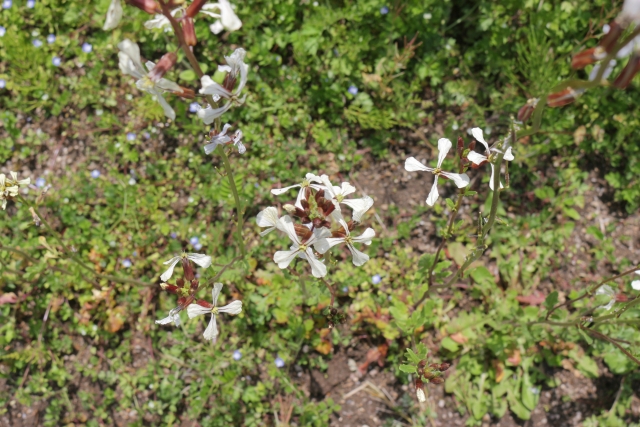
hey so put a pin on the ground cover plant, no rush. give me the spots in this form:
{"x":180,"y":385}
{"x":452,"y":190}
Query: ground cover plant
{"x":319,"y":213}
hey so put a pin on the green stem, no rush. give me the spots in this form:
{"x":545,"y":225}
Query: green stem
{"x":446,"y":236}
{"x":236,"y":197}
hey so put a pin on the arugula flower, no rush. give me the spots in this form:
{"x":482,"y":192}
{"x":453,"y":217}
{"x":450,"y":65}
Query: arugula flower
{"x":359,"y":258}
{"x":203,"y":307}
{"x":479,"y":159}
{"x":203,"y":261}
{"x":300,"y":249}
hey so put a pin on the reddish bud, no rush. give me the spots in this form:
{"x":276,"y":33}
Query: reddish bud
{"x":611,"y":38}
{"x":195,"y":7}
{"x":204,"y":303}
{"x":167,"y":61}
{"x":437,"y":380}
{"x":460,"y":146}
{"x":302,"y":231}
{"x":472,"y":145}
{"x":525,"y":112}
{"x":194,"y":285}
{"x":149,"y":6}
{"x":562,"y":98}
{"x":189,"y":32}
{"x":621,"y":298}
{"x":189,"y":275}
{"x":172,"y":289}
{"x":186,"y":93}
{"x":587,"y":57}
{"x":628,"y":73}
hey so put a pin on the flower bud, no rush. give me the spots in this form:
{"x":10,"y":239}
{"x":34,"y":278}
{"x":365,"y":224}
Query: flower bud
{"x":460,"y":146}
{"x":562,"y":98}
{"x":289,"y":208}
{"x":302,"y":231}
{"x":167,"y":61}
{"x":186,"y":93}
{"x":437,"y":380}
{"x":611,"y":38}
{"x":525,"y":112}
{"x":587,"y":57}
{"x":172,"y":289}
{"x":472,"y":145}
{"x":628,"y":73}
{"x":195,"y":7}
{"x":621,"y":298}
{"x":189,"y":275}
{"x":149,"y":6}
{"x":189,"y":32}
{"x":204,"y":303}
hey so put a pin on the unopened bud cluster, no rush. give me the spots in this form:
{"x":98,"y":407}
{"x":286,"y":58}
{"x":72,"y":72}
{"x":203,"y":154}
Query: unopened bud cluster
{"x":429,"y":374}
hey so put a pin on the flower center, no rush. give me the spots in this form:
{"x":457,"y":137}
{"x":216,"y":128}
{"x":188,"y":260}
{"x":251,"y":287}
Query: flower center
{"x":146,"y":83}
{"x":348,"y":240}
{"x":437,"y":171}
{"x":305,"y":183}
{"x":339,"y":198}
{"x":214,"y":310}
{"x":302,"y":248}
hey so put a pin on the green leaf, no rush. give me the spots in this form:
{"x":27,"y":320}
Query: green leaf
{"x":571,"y":213}
{"x":450,"y":344}
{"x":551,"y":300}
{"x":187,"y":75}
{"x":412,"y":357}
{"x":409,"y":369}
{"x":450,"y":204}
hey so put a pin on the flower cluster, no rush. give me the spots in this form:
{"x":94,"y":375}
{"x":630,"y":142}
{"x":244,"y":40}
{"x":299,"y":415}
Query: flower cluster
{"x":9,"y":186}
{"x":321,"y":224}
{"x":150,"y":76}
{"x":187,"y":287}
{"x":428,"y":374}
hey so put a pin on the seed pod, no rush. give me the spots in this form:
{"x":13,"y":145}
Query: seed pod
{"x":189,"y":32}
{"x":562,"y":98}
{"x":189,"y":275}
{"x":610,"y":39}
{"x":167,"y":61}
{"x":525,"y":112}
{"x":460,"y":146}
{"x":186,"y":93}
{"x":195,"y":7}
{"x":628,"y":73}
{"x":587,"y":57}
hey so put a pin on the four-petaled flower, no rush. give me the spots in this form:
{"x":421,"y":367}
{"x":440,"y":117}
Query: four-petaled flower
{"x":226,"y":18}
{"x":9,"y":187}
{"x":235,"y":69}
{"x":223,"y":139}
{"x":203,"y":307}
{"x":479,"y":159}
{"x":359,"y":258}
{"x":308,"y":181}
{"x":268,"y":218}
{"x":173,"y":317}
{"x":607,"y":290}
{"x":461,"y":180}
{"x":131,"y":64}
{"x":203,"y":261}
{"x":338,"y":194}
{"x":301,"y":249}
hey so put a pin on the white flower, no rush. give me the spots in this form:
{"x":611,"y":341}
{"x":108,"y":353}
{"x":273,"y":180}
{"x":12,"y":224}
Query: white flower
{"x":306,"y":182}
{"x":338,"y":194}
{"x":161,"y":21}
{"x":233,"y":308}
{"x":222,"y":139}
{"x":461,"y":180}
{"x":131,"y":64}
{"x":236,"y":69}
{"x":631,"y":10}
{"x":268,"y":218}
{"x":203,"y":261}
{"x":9,"y":187}
{"x":479,"y":158}
{"x":636,"y":283}
{"x":228,"y":20}
{"x":114,"y":14}
{"x":304,"y":251}
{"x":174,"y":316}
{"x":359,"y":258}
{"x":607,"y":290}
{"x":421,"y":397}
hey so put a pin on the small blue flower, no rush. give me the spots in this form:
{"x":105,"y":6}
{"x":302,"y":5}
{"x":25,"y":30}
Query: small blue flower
{"x":345,"y":289}
{"x":194,"y":107}
{"x":86,"y":47}
{"x":135,"y":253}
{"x":3,"y":31}
{"x":126,"y":263}
{"x":279,"y":362}
{"x":353,"y":90}
{"x":146,"y":135}
{"x":173,"y":235}
{"x":56,"y":61}
{"x":37,"y":43}
{"x":376,"y":279}
{"x":131,"y":136}
{"x":197,"y":246}
{"x":51,"y":38}
{"x":6,"y":4}
{"x":31,"y":4}
{"x":95,"y":173}
{"x":40,"y":182}
{"x":384,"y":10}
{"x":237,"y":355}
{"x":194,"y":240}
{"x":3,"y":83}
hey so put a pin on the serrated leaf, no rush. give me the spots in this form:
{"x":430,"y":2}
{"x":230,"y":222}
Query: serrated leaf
{"x":412,"y":357}
{"x":571,"y":213}
{"x":409,"y":369}
{"x":449,"y":344}
{"x":551,"y":300}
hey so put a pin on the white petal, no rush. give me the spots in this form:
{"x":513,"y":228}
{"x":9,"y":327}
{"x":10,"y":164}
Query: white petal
{"x":433,"y":194}
{"x":114,"y":14}
{"x":508,"y":155}
{"x":412,"y":165}
{"x":210,"y":87}
{"x":476,"y":158}
{"x":194,"y":310}
{"x":286,"y":225}
{"x":365,"y":237}
{"x":215,"y":293}
{"x":284,"y":258}
{"x":636,"y":285}
{"x":347,"y":189}
{"x":159,"y":21}
{"x":609,"y":304}
{"x":132,"y":50}
{"x":267,"y":217}
{"x":233,"y":308}
{"x":210,"y":148}
{"x":168,"y":86}
{"x":267,"y":231}
{"x":323,"y":245}
{"x":278,"y":191}
{"x":168,"y":111}
{"x":444,"y":145}
{"x":301,"y":197}
{"x":606,"y":290}
{"x":322,"y":233}
{"x":203,"y":261}
{"x":359,"y":258}
{"x":209,"y":114}
{"x":477,"y":134}
{"x":127,"y":66}
{"x":211,"y":332}
{"x":230,"y":20}
{"x":420,"y":395}
{"x":493,"y":170}
{"x":461,"y":180}
{"x":318,"y":269}
{"x":216,"y":27}
{"x":165,"y":321}
{"x":172,"y":264}
{"x":359,"y":206}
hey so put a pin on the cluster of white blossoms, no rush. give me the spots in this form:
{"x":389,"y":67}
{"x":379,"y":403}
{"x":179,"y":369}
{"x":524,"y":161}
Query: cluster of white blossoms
{"x":9,"y":187}
{"x":150,"y":76}
{"x":187,"y":287}
{"x":321,"y":222}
